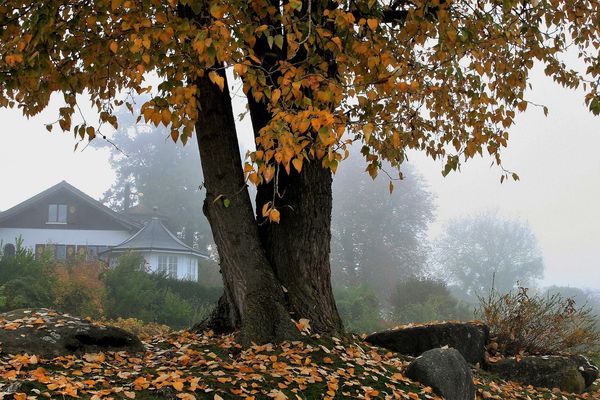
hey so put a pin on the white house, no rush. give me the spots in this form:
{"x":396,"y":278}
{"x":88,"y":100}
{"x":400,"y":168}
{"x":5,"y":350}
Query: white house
{"x":66,"y":221}
{"x":162,"y":250}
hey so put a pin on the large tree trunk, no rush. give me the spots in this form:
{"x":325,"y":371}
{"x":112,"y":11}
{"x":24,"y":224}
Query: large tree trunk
{"x":253,"y":301}
{"x":271,"y":272}
{"x":298,"y":248}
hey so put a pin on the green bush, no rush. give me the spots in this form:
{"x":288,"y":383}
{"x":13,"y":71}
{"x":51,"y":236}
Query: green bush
{"x":25,"y":281}
{"x":358,"y":308}
{"x":131,"y":292}
{"x":425,"y":300}
{"x":538,"y":324}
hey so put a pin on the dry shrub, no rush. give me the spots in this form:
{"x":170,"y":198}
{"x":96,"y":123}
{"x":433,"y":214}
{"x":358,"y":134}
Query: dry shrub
{"x":80,"y":289}
{"x":535,"y":324}
{"x":140,"y":328}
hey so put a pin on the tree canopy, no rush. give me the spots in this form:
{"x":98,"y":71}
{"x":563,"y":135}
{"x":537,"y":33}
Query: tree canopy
{"x":444,"y":77}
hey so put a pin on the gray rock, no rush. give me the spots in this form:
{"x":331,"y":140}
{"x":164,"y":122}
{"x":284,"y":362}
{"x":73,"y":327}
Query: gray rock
{"x":446,"y":371}
{"x":570,"y":373}
{"x":48,"y":334}
{"x":468,"y":338}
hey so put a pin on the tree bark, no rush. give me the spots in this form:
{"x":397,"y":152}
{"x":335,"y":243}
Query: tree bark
{"x":298,"y":248}
{"x":253,"y":300}
{"x":279,"y":268}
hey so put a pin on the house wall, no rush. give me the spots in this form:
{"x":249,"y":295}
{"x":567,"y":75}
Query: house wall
{"x":32,"y":236}
{"x":184,"y":261}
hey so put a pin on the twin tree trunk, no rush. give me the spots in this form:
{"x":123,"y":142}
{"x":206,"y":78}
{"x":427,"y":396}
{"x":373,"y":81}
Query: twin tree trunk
{"x":272,"y":273}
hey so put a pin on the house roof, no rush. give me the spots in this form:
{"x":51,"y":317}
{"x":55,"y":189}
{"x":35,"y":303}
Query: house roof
{"x":154,"y":236}
{"x":140,"y":212}
{"x":127,"y":223}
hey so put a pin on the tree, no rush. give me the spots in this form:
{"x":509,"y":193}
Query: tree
{"x":426,"y":300}
{"x":150,"y":173}
{"x":378,"y":238}
{"x":479,"y":251}
{"x":445,"y":78}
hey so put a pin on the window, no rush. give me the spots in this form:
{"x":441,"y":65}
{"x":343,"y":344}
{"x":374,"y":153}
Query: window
{"x":168,"y":265}
{"x":60,"y":252}
{"x":92,"y":252}
{"x":192,"y":271}
{"x":57,"y":214}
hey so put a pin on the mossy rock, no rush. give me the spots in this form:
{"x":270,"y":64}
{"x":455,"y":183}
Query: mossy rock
{"x":572,"y":374}
{"x":51,"y":334}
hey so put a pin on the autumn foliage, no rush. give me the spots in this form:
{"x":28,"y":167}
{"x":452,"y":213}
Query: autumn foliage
{"x":525,"y":323}
{"x":80,"y":289}
{"x":444,"y":77}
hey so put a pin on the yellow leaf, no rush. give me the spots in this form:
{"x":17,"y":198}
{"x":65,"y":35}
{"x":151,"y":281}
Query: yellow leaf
{"x":297,"y":163}
{"x":275,"y":95}
{"x":367,"y":131}
{"x":177,"y":386}
{"x":217,"y":11}
{"x":451,"y":35}
{"x":217,"y":79}
{"x":265,"y":209}
{"x":303,"y":325}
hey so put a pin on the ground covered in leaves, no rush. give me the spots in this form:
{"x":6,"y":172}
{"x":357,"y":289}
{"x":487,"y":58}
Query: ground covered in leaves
{"x":194,"y":366}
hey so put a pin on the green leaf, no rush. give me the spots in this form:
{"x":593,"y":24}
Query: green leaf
{"x":270,"y":41}
{"x":226,"y":203}
{"x":296,"y":4}
{"x":279,"y":41}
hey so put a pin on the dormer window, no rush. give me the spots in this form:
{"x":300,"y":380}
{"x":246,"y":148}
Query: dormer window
{"x":57,"y":214}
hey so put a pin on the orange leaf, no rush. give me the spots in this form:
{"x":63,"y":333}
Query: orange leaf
{"x":373,"y":23}
{"x":274,"y":215}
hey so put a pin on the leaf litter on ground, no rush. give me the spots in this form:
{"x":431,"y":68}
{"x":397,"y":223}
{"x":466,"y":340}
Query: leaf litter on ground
{"x":187,"y":366}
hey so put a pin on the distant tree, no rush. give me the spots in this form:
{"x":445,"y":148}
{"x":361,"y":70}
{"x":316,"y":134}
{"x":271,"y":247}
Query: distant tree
{"x":479,"y":251}
{"x":377,"y":237}
{"x":583,"y":297}
{"x":155,"y":172}
{"x":425,"y":300}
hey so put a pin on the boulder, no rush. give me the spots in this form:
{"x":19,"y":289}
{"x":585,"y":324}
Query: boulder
{"x":48,"y":334}
{"x":568,"y":373}
{"x":446,"y":371}
{"x":469,"y":338}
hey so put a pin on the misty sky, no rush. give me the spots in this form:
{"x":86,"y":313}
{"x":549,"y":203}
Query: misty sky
{"x":557,"y":158}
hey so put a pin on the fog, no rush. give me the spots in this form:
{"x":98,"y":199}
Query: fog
{"x":556,"y":157}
